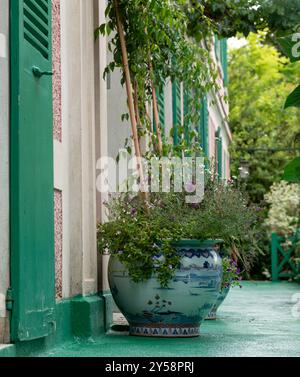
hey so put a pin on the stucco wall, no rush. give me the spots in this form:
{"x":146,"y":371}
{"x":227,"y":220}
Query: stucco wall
{"x":4,"y":167}
{"x":117,"y":130}
{"x":56,"y":58}
{"x":57,"y":135}
{"x":75,"y":166}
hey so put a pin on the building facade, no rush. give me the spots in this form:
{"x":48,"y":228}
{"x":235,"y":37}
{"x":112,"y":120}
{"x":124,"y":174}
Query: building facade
{"x":58,"y":117}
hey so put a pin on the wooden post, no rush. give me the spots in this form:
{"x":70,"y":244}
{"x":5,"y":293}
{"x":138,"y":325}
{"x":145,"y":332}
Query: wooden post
{"x":156,"y":117}
{"x":130,"y":101}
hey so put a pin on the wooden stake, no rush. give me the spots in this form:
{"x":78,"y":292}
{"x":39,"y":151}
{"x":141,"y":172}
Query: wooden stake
{"x":130,"y":101}
{"x":136,"y":105}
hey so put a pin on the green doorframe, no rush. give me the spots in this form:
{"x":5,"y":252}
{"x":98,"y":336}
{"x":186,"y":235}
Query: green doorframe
{"x":31,"y":171}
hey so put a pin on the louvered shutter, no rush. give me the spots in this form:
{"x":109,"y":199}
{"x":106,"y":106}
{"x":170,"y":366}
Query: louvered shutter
{"x":32,"y":213}
{"x":176,"y":109}
{"x":224,"y":60}
{"x":203,"y":131}
{"x":161,"y":109}
{"x":186,"y":111}
{"x":219,"y":154}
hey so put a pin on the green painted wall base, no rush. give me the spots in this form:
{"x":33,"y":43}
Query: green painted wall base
{"x":8,"y":350}
{"x":108,"y":312}
{"x":86,"y":321}
{"x":83,"y":317}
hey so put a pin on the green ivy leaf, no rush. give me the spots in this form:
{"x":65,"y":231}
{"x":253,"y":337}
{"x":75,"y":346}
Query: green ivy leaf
{"x":292,"y":171}
{"x":293,"y":99}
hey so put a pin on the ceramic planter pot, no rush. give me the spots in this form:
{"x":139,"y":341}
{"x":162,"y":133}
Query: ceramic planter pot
{"x":221,"y":297}
{"x":176,"y":311}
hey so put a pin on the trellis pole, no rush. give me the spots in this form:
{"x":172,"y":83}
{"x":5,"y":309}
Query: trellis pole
{"x":129,"y":90}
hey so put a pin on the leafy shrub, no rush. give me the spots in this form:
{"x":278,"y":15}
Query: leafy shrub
{"x":284,"y":201}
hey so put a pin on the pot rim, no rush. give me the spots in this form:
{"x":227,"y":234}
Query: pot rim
{"x":196,"y":242}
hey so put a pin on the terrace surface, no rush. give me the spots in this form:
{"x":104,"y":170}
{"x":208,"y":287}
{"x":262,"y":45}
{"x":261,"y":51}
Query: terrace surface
{"x":260,"y":319}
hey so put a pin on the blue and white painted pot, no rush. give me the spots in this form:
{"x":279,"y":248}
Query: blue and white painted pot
{"x":176,"y":311}
{"x":221,"y":297}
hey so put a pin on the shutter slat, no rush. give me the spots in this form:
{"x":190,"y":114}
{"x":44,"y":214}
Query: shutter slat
{"x":36,"y":26}
{"x":40,"y":24}
{"x":37,"y":10}
{"x":36,"y":43}
{"x":32,"y":29}
{"x":42,"y":4}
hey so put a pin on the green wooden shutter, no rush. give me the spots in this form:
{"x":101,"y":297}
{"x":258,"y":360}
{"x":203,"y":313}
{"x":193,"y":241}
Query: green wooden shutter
{"x":203,"y":131}
{"x":176,"y":109}
{"x":217,"y":47}
{"x":161,"y":110}
{"x":224,"y":60}
{"x":32,"y":212}
{"x":219,"y":154}
{"x":186,"y":105}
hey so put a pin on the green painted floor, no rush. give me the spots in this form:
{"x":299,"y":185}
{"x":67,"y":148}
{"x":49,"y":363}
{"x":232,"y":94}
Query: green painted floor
{"x":256,"y":320}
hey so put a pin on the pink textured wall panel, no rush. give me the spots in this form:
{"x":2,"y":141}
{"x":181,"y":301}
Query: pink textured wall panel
{"x":57,"y":135}
{"x":58,"y":223}
{"x":56,"y":56}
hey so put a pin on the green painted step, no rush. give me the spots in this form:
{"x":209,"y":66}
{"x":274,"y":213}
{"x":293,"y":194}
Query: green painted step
{"x":256,"y":320}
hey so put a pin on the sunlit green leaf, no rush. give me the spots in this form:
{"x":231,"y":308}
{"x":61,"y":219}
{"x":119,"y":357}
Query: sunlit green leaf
{"x":292,"y":171}
{"x":293,"y":99}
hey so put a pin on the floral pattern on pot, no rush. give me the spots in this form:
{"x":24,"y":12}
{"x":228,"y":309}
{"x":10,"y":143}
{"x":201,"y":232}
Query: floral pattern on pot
{"x":176,"y":311}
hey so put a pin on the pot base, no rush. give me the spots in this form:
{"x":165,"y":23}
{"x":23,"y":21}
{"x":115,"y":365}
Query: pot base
{"x":165,"y":331}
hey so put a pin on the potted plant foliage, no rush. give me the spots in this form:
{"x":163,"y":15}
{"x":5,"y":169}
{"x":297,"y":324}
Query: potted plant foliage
{"x":165,"y":270}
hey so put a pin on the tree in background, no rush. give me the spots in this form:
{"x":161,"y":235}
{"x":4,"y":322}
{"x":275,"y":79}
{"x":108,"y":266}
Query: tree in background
{"x":260,"y":80}
{"x":229,"y":17}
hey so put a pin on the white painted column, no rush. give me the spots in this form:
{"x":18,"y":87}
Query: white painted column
{"x":101,"y":128}
{"x":71,"y":164}
{"x":78,"y":164}
{"x":4,"y":167}
{"x":89,"y":221}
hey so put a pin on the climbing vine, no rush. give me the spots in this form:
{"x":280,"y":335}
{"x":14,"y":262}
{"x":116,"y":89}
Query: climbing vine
{"x":157,"y":49}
